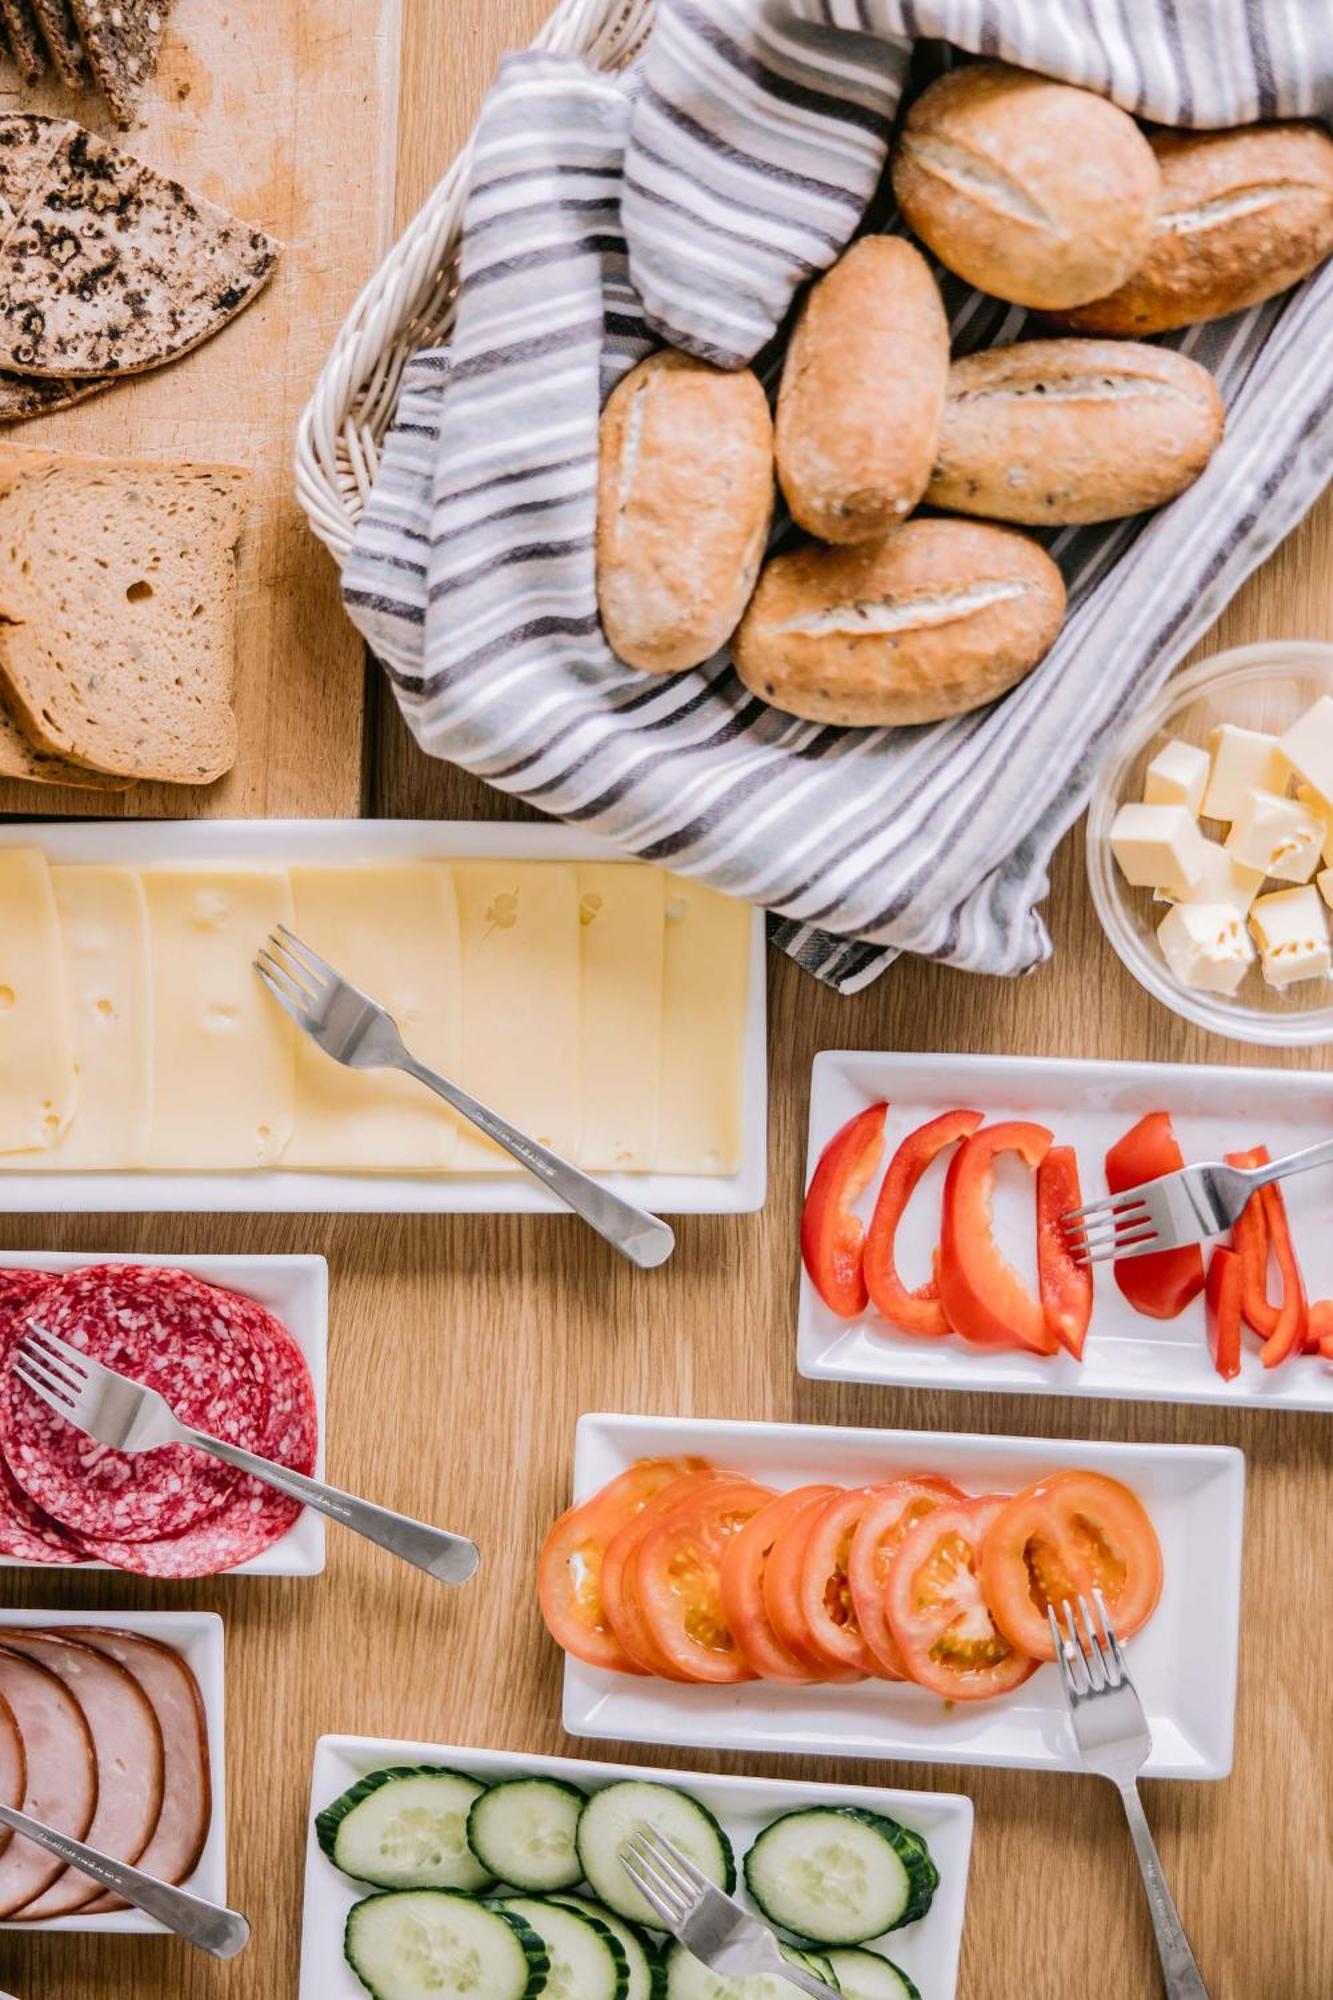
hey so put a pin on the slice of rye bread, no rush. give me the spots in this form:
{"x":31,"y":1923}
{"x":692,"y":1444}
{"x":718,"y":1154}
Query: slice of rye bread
{"x":28,"y":141}
{"x":118,"y":610}
{"x":60,"y":32}
{"x":121,"y":39}
{"x":112,"y":268}
{"x":25,"y":39}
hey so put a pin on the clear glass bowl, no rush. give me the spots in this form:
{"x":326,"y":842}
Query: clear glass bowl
{"x":1260,"y":687}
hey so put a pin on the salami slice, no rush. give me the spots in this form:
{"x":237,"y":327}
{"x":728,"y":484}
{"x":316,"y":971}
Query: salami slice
{"x":26,"y":1533}
{"x":182,"y":1337}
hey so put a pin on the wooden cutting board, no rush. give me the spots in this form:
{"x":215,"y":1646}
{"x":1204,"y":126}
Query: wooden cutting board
{"x":284,"y":111}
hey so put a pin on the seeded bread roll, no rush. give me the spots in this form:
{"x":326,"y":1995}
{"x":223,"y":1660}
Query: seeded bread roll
{"x":1057,"y":431}
{"x":684,"y":502}
{"x":934,"y":620}
{"x":862,"y":393}
{"x":1032,"y":190}
{"x":1241,"y":216}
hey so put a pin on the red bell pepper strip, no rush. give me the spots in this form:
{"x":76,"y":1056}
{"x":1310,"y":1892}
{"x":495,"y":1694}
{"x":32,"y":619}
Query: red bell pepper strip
{"x":1222,"y":1297}
{"x":832,"y":1238}
{"x":1263,"y":1227}
{"x":916,"y":1311}
{"x":1163,"y":1284}
{"x":983,"y":1296}
{"x":1249,"y":1238}
{"x":1319,"y":1337}
{"x":1065,"y":1287}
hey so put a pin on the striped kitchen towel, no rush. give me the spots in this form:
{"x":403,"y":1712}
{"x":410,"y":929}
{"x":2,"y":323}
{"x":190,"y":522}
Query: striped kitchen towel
{"x":689,"y":201}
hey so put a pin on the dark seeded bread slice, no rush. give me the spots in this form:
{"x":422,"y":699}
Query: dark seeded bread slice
{"x":25,"y":39}
{"x":60,"y":32}
{"x":27,"y":144}
{"x":112,"y":268}
{"x":118,"y":610}
{"x":122,"y":39}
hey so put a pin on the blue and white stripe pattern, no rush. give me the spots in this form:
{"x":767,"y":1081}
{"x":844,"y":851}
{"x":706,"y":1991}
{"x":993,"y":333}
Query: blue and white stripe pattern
{"x":697,"y":195}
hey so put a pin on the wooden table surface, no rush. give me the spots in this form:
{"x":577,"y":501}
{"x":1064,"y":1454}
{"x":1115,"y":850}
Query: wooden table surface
{"x":463,"y":1350}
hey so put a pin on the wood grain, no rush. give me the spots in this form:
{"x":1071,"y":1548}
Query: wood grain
{"x":464,"y":1349}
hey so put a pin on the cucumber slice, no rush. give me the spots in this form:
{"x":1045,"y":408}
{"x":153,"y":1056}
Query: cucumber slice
{"x":435,"y":1944}
{"x":522,"y":1831}
{"x":612,"y":1816}
{"x":863,"y":1975}
{"x":645,"y":1960}
{"x":687,"y":1979}
{"x":587,"y":1962}
{"x":405,"y":1828}
{"x":839,"y":1875}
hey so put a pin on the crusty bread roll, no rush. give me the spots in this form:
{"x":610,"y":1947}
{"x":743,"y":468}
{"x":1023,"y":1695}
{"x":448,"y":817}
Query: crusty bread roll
{"x":1055,"y":431}
{"x":1241,"y":216}
{"x":936,"y":619}
{"x":1033,"y":190}
{"x":684,"y":502}
{"x":863,"y":392}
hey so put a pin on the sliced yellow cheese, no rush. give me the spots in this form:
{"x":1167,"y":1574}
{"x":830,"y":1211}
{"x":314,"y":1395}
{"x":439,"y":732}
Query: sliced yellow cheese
{"x":104,"y":930}
{"x":38,"y":1088}
{"x":223,"y":1061}
{"x":393,"y":931}
{"x":519,"y":923}
{"x":621,"y":913}
{"x":705,"y":988}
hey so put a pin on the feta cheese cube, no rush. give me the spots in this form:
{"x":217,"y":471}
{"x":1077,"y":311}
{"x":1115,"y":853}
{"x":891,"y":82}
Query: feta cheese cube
{"x":1205,"y":946}
{"x":1316,"y":803}
{"x":1277,"y":835}
{"x":1308,"y":746}
{"x":1292,"y":934}
{"x":1222,"y":879}
{"x":1244,"y":761}
{"x":1177,"y":776}
{"x":1324,"y":884}
{"x":1155,"y":845}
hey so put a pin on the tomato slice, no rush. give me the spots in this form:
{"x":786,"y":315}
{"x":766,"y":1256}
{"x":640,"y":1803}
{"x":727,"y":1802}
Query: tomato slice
{"x":832,"y":1238}
{"x":741,"y":1583}
{"x":1065,"y":1287}
{"x":937,"y":1614}
{"x":1072,"y":1533}
{"x":783,"y":1588}
{"x":1222,"y":1300}
{"x":569,"y":1572}
{"x":619,"y":1599}
{"x":676,"y":1569}
{"x":886,"y":1522}
{"x":916,"y":1311}
{"x":1163,"y":1284}
{"x":982,"y":1294}
{"x":827,"y":1609}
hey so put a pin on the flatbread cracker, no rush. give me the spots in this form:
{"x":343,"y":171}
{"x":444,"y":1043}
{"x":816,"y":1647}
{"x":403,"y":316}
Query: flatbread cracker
{"x":28,"y":141}
{"x":23,"y":397}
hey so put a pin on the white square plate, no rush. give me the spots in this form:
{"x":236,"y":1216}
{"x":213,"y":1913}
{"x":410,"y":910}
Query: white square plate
{"x":1183,"y":1662}
{"x":144,"y":843}
{"x":927,"y":1951}
{"x":1088,"y":1105}
{"x":296,"y":1291}
{"x":197,"y":1637}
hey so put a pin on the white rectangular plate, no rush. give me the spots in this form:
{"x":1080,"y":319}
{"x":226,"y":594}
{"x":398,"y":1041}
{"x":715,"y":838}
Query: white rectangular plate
{"x":296,"y":1291}
{"x":1088,"y":1105}
{"x":927,"y":1951}
{"x":257,"y":841}
{"x":197,"y":1637}
{"x":1183,"y":1662}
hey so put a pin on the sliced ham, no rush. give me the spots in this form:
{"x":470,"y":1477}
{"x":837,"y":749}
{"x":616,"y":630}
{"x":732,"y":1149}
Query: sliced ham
{"x":61,"y":1786}
{"x":127,"y":1744}
{"x":182,"y":1826}
{"x":13,"y":1766}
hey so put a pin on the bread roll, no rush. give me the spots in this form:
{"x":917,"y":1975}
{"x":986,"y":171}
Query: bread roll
{"x":1056,"y":431}
{"x":863,"y":392}
{"x":684,"y":502}
{"x":1033,"y":190}
{"x":1241,"y":216}
{"x":936,"y":619}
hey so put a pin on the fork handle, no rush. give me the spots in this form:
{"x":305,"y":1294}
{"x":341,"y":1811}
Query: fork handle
{"x":645,"y":1239}
{"x":1294,"y":1163}
{"x":1179,"y":1971}
{"x":448,"y":1558}
{"x":803,"y":1981}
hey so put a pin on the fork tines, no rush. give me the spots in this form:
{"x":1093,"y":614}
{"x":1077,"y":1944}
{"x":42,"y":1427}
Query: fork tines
{"x":1090,"y":1655}
{"x":296,"y":976}
{"x":1109,"y":1228}
{"x":667,"y":1879}
{"x":47,"y":1367}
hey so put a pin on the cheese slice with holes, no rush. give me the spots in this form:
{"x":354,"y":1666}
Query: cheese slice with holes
{"x":705,"y":986}
{"x":621,"y":917}
{"x":519,"y":926}
{"x":223,"y":1050}
{"x":393,"y":931}
{"x":38,"y":1087}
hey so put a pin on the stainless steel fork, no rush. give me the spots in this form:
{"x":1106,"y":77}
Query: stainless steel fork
{"x":709,"y":1923}
{"x":1114,"y":1741}
{"x":356,"y":1031}
{"x":1187,"y":1206}
{"x":131,"y":1417}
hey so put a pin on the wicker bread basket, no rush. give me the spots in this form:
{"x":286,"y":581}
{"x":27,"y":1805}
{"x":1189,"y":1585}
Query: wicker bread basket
{"x":409,"y":303}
